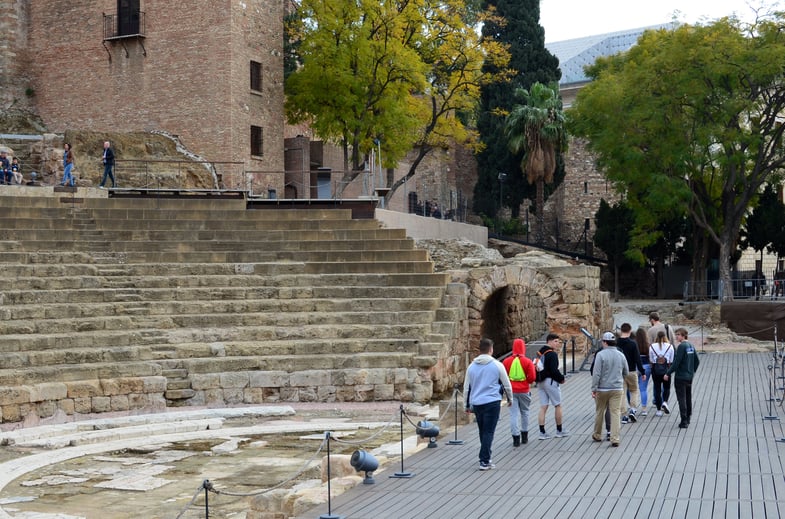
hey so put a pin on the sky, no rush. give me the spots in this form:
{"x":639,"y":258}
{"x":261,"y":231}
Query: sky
{"x":568,"y":19}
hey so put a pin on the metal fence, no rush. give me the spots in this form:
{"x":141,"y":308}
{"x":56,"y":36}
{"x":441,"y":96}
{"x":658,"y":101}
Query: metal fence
{"x":756,"y":289}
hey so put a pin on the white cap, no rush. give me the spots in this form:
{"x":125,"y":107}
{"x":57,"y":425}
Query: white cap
{"x":608,"y":337}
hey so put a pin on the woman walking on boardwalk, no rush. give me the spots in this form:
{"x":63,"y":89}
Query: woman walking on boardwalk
{"x":643,"y":347}
{"x":661,"y":357}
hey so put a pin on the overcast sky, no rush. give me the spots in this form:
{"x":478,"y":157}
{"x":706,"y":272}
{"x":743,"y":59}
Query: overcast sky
{"x":568,"y":19}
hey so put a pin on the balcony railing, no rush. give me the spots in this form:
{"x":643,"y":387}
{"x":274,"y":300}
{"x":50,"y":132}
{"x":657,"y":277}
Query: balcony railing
{"x":130,"y":24}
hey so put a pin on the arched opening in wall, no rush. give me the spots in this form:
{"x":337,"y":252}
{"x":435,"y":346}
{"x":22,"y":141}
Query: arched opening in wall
{"x":494,"y":321}
{"x":512,"y":312}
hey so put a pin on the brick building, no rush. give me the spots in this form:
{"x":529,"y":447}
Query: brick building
{"x":209,"y":72}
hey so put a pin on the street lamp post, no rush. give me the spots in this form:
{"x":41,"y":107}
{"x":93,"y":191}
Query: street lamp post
{"x":502,"y":178}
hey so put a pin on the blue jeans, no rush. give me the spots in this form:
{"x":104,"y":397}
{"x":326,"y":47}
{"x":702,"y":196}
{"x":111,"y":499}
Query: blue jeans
{"x":487,"y":416}
{"x":107,"y":174}
{"x":519,"y":413}
{"x":67,"y":176}
{"x":643,"y":385}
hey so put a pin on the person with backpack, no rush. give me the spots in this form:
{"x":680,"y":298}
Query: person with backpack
{"x":549,"y":386}
{"x":661,"y":357}
{"x":520,"y":370}
{"x":685,"y":364}
{"x":485,"y":381}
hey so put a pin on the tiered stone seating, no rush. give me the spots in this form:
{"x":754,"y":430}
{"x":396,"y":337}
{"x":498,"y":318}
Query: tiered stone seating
{"x":117,"y":304}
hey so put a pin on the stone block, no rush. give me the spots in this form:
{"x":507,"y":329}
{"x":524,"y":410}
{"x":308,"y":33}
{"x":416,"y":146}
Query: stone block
{"x":383,"y":392}
{"x":66,"y":405}
{"x":363,"y":393}
{"x":310,"y":378}
{"x":119,"y":402}
{"x":101,"y":404}
{"x":253,"y":395}
{"x":234,"y":380}
{"x":290,"y":394}
{"x":83,"y":405}
{"x":269,"y":379}
{"x":271,"y":394}
{"x":326,"y":393}
{"x":340,"y":466}
{"x":154,"y":384}
{"x":46,"y":409}
{"x":11,"y":413}
{"x":575,"y":296}
{"x":48,"y":391}
{"x":205,"y":381}
{"x":233,"y":395}
{"x":138,"y":401}
{"x":213,"y":397}
{"x":14,"y":395}
{"x":84,"y":389}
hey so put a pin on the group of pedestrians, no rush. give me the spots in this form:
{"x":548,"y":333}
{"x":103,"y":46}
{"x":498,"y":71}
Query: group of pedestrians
{"x":620,"y":377}
{"x":10,"y":170}
{"x":107,"y":160}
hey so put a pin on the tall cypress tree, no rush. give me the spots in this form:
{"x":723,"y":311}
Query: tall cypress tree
{"x":532,"y":63}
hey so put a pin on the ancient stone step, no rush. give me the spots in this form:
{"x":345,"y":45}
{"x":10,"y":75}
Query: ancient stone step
{"x":25,"y":359}
{"x":76,"y":372}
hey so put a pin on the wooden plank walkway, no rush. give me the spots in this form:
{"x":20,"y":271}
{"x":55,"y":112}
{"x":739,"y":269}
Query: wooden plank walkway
{"x":727,"y":464}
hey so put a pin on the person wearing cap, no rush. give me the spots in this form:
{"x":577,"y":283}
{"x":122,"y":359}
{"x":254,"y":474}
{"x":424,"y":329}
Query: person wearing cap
{"x":607,"y":387}
{"x":521,"y":393}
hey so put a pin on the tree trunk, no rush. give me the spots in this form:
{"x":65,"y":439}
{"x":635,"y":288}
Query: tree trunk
{"x":616,"y":281}
{"x":540,"y":237}
{"x":725,"y":278}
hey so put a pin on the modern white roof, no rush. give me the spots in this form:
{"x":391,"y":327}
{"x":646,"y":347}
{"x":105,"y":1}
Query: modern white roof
{"x":577,"y":53}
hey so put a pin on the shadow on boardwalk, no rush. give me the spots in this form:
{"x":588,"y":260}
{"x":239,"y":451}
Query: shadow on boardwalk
{"x":727,"y":464}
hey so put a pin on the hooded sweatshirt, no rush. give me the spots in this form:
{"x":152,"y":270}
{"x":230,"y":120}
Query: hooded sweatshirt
{"x":484,"y":380}
{"x":519,"y":350}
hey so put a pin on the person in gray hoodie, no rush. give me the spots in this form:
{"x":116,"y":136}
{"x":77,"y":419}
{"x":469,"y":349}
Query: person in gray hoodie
{"x":485,"y":382}
{"x":607,"y":387}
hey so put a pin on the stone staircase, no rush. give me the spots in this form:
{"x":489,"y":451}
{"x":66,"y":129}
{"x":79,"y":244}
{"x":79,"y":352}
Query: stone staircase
{"x":115,"y":304}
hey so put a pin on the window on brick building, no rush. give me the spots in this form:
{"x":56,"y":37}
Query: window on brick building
{"x":256,"y":76}
{"x":585,"y":187}
{"x":257,"y":141}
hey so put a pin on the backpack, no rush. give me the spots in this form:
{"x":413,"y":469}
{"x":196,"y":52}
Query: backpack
{"x":516,"y":370}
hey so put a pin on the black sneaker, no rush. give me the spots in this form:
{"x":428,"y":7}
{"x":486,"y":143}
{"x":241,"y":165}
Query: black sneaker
{"x":632,"y":418}
{"x":665,"y":409}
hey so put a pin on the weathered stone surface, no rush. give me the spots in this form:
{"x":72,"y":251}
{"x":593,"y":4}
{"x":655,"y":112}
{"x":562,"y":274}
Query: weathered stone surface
{"x":101,"y":404}
{"x":84,"y":389}
{"x":48,"y":391}
{"x":14,"y":395}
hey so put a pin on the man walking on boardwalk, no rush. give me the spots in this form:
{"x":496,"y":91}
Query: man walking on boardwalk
{"x":521,"y":371}
{"x":485,"y":380}
{"x":685,"y":364}
{"x":607,"y":387}
{"x":630,"y":350}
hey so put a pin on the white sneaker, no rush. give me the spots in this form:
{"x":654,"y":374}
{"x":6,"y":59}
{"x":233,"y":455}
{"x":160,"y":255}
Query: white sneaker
{"x":644,"y":413}
{"x":487,"y":466}
{"x":665,"y":409}
{"x":658,"y":413}
{"x":544,"y":436}
{"x":562,"y":434}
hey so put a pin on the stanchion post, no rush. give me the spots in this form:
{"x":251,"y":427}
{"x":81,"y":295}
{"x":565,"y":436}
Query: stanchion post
{"x":206,"y":485}
{"x":401,"y":474}
{"x":772,"y":370}
{"x":573,"y":370}
{"x":456,"y":441}
{"x":329,"y":514}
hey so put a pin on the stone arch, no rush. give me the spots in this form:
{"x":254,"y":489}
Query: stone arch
{"x":530,"y":294}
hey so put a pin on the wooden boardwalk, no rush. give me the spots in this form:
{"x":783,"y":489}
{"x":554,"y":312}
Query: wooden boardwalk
{"x":728,"y":464}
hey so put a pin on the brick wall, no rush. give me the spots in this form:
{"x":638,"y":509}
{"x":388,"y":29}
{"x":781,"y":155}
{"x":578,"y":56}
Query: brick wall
{"x":189,"y":75}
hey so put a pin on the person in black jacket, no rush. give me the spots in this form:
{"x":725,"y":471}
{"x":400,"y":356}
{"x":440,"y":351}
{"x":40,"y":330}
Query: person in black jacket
{"x":630,"y":350}
{"x":549,"y":385}
{"x":108,"y":160}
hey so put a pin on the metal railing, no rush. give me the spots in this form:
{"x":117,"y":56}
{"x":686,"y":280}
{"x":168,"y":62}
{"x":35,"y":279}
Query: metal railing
{"x":759,"y":289}
{"x":127,"y":25}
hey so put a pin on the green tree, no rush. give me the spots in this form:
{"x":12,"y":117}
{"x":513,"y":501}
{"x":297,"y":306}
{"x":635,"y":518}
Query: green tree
{"x":614,"y":225}
{"x":689,"y":120}
{"x":389,"y":73}
{"x":518,"y":26}
{"x":536,"y":129}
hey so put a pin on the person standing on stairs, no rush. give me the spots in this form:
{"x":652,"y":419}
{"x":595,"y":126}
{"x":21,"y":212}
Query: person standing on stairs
{"x":520,"y":378}
{"x":108,"y":161}
{"x":68,"y":165}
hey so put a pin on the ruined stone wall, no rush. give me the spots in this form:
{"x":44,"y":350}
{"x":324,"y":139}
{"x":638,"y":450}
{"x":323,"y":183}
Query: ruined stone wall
{"x":15,"y":90}
{"x":576,"y":201}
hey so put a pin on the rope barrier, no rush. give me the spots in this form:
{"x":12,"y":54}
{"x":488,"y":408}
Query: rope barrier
{"x":264,"y":491}
{"x":193,"y":500}
{"x":210,"y":487}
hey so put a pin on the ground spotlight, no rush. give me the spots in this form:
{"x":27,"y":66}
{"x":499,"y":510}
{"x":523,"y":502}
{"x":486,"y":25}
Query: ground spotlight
{"x":365,"y":462}
{"x":426,"y":429}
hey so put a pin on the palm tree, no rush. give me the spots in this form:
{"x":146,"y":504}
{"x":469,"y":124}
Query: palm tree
{"x":536,"y":128}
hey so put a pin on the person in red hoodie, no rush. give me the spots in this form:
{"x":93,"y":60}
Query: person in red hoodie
{"x":521,"y":392}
